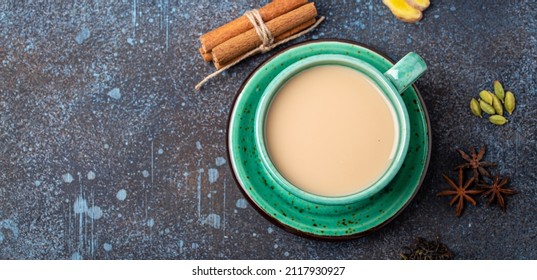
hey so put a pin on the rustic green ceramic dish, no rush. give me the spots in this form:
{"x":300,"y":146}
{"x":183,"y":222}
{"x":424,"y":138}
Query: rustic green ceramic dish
{"x":302,"y":216}
{"x":387,"y":85}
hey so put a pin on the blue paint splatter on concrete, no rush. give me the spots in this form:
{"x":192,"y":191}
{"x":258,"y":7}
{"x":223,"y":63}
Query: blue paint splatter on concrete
{"x":9,"y":225}
{"x":213,"y":175}
{"x":212,"y":220}
{"x":91,"y":175}
{"x":115,"y":93}
{"x":198,"y":190}
{"x":134,"y":18}
{"x":241,"y":203}
{"x":76,"y":256}
{"x":95,"y":212}
{"x":83,"y":35}
{"x":358,"y":24}
{"x":80,"y":206}
{"x":220,"y":161}
{"x":107,"y":247}
{"x":121,"y":195}
{"x":67,"y":177}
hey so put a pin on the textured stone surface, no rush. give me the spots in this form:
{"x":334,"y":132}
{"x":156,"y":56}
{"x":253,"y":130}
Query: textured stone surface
{"x":107,"y":152}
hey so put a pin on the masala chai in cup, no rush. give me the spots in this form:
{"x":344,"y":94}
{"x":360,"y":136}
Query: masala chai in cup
{"x":330,"y":131}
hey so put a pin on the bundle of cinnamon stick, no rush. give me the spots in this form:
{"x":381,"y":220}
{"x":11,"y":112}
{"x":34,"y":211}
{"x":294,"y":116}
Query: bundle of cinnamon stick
{"x":283,"y":18}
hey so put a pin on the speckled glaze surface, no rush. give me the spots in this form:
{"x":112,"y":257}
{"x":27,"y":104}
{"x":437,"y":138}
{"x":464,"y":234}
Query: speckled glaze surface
{"x":301,"y":216}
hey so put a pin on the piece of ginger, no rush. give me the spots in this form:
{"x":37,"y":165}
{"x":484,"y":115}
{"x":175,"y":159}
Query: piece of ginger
{"x":403,"y":11}
{"x":419,"y":4}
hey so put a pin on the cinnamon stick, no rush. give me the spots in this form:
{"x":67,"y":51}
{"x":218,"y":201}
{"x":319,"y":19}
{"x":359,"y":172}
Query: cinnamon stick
{"x":240,"y":25}
{"x":249,"y":40}
{"x":294,"y":30}
{"x":209,"y":57}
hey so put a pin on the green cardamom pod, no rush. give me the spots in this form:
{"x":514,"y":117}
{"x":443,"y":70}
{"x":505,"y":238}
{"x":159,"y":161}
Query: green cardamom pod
{"x":497,"y":104}
{"x":498,"y":89}
{"x":486,"y":96}
{"x":510,"y":102}
{"x":498,"y":120}
{"x":486,"y":107}
{"x":474,"y":106}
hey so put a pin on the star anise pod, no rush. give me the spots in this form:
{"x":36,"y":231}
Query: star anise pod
{"x":475,"y":163}
{"x":460,"y":192}
{"x":497,"y":190}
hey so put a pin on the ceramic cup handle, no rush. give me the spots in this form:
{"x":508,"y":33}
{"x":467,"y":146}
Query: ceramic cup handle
{"x":405,"y":72}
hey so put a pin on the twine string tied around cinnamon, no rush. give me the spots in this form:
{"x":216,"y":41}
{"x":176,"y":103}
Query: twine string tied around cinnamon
{"x":261,"y":29}
{"x":266,"y":38}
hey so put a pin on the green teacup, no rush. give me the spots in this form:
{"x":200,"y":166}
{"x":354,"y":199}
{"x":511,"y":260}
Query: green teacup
{"x":391,"y":84}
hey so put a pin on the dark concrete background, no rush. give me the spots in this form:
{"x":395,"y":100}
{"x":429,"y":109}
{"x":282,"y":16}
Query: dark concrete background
{"x":104,"y":144}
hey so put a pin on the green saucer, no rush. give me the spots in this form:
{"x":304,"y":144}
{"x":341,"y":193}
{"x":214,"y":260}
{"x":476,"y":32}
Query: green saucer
{"x":303,"y":217}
